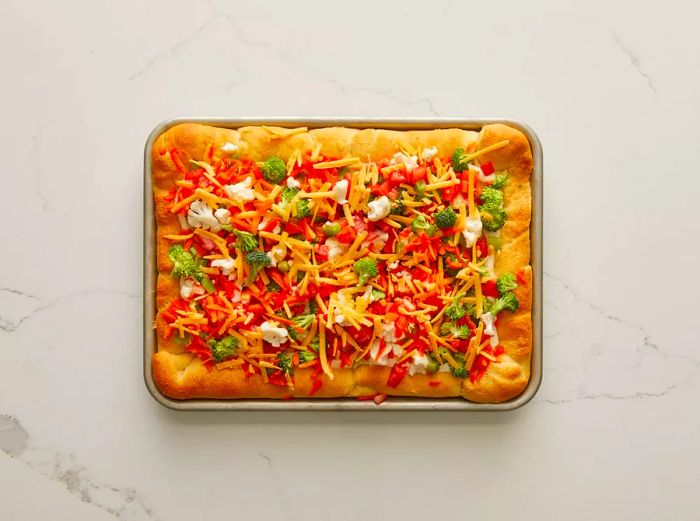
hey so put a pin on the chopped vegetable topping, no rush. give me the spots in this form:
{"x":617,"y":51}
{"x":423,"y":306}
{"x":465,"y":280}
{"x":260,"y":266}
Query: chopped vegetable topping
{"x":326,"y":263}
{"x":274,"y":170}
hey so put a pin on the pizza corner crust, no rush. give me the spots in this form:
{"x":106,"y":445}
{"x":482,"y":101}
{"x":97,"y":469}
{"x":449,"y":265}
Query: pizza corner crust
{"x":180,"y":375}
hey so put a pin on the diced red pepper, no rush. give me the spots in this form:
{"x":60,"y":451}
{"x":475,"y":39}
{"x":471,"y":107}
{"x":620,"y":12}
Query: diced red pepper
{"x":489,"y":289}
{"x":434,"y":383}
{"x":346,"y":235}
{"x":277,"y":378}
{"x":482,"y":247}
{"x":487,"y":168}
{"x":520,"y":278}
{"x":397,"y":374}
{"x":315,"y":387}
{"x":419,"y":174}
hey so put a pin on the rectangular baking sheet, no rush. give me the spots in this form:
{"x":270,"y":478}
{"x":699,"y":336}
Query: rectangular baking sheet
{"x":343,"y":404}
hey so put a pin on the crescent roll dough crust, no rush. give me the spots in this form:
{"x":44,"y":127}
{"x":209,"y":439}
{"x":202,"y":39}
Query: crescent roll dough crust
{"x":181,"y":375}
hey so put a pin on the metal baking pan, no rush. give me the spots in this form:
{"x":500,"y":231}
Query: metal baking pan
{"x":343,"y":404}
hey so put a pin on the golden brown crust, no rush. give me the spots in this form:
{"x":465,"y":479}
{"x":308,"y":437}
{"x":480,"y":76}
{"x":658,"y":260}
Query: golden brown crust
{"x":182,"y":376}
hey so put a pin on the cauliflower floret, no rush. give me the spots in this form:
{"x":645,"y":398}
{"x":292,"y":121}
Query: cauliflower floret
{"x":484,"y":179}
{"x":419,"y":364}
{"x":490,"y":328}
{"x":410,"y":162}
{"x":429,"y":153}
{"x":229,"y":147}
{"x":277,"y":254}
{"x":379,"y":208}
{"x":273,"y":334}
{"x":472,"y":231}
{"x":335,"y":249}
{"x":186,"y":287}
{"x":241,"y":192}
{"x":226,"y":265}
{"x":201,"y":216}
{"x":340,"y":191}
{"x":222,"y":215}
{"x":293,"y":183}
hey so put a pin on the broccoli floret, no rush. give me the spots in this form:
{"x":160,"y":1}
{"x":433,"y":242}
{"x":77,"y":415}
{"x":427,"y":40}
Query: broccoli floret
{"x":289,"y":192}
{"x":366,"y":269}
{"x":306,"y":356}
{"x":303,"y":321}
{"x":223,"y":348}
{"x":508,"y":301}
{"x":184,"y":263}
{"x":460,"y":160}
{"x":455,"y":361}
{"x":314,"y":344}
{"x":273,"y":287}
{"x":501,"y":181}
{"x":187,"y":264}
{"x":506,"y":282}
{"x":457,"y":331}
{"x":377,"y":295}
{"x":491,"y":197}
{"x":421,"y":224}
{"x":274,"y":170}
{"x":420,"y":188}
{"x":284,"y":362}
{"x":245,"y":241}
{"x":455,"y":311}
{"x":313,"y":307}
{"x":256,"y":260}
{"x":433,"y":366}
{"x":445,"y":218}
{"x":492,"y":219}
{"x":398,"y":208}
{"x":303,"y":209}
{"x":460,"y":372}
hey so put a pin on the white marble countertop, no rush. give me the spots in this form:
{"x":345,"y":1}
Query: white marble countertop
{"x":612,"y":90}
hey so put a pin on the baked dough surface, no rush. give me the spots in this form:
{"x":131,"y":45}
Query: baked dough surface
{"x":181,"y":375}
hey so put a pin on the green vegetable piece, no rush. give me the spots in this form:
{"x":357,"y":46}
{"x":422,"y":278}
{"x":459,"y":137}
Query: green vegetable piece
{"x":303,"y":209}
{"x":224,"y":348}
{"x":457,"y":331}
{"x":274,"y":170}
{"x":501,"y":181}
{"x":284,"y":362}
{"x":331,"y":229}
{"x":491,"y":197}
{"x":420,"y":188}
{"x":455,"y":311}
{"x":283,"y":266}
{"x":306,"y":356}
{"x":245,"y":241}
{"x":506,"y":282}
{"x":433,"y":366}
{"x":507,"y":301}
{"x":207,"y":284}
{"x":421,"y":224}
{"x":494,"y":241}
{"x":378,"y":295}
{"x":492,"y":219}
{"x":460,"y":372}
{"x":273,"y":287}
{"x":460,"y":160}
{"x":445,"y":218}
{"x":288,"y":193}
{"x":257,"y":260}
{"x":184,"y":263}
{"x":366,"y":269}
{"x":303,"y":321}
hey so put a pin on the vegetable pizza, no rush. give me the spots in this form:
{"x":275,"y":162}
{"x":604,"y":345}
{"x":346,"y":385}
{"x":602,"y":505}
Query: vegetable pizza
{"x":339,"y":262}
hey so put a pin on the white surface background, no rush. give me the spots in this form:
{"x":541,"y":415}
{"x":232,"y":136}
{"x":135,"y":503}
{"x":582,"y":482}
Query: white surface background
{"x":612,"y":90}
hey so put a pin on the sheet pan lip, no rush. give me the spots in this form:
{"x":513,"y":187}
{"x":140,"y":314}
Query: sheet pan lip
{"x":345,"y":404}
